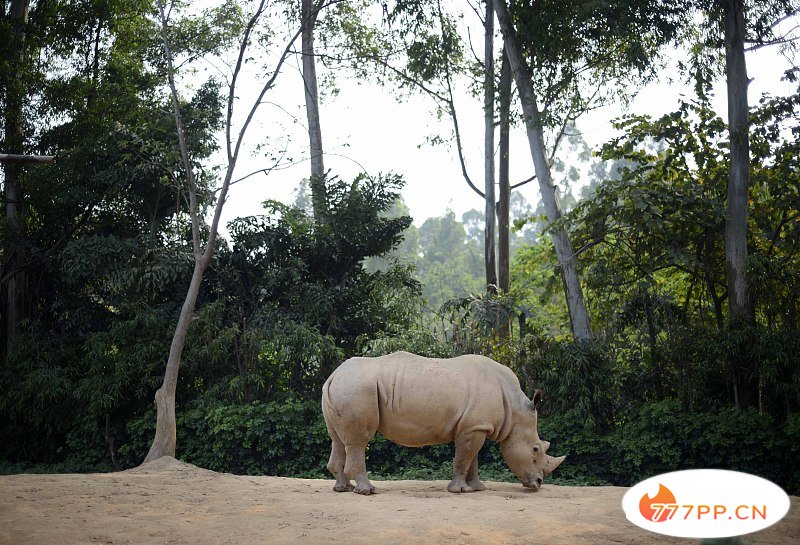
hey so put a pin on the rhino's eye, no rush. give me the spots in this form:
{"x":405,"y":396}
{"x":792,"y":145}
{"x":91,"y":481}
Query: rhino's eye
{"x":535,"y":449}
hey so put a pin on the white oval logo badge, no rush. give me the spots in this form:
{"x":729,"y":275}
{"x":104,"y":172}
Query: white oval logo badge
{"x":702,"y":503}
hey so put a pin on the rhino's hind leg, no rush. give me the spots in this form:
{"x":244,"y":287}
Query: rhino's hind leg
{"x":472,"y":476}
{"x":336,"y":466}
{"x":467,"y":447}
{"x":355,"y":467}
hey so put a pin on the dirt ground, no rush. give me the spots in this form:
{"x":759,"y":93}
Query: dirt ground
{"x":168,"y":502}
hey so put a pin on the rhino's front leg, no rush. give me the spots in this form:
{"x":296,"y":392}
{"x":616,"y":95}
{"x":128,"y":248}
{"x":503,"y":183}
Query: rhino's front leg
{"x":355,"y":467}
{"x":472,"y":476}
{"x":467,"y":447}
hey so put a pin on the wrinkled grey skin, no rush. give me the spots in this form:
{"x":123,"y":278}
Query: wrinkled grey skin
{"x":417,"y":401}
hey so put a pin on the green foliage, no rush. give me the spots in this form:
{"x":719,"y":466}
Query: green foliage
{"x":571,"y":45}
{"x":661,"y":438}
{"x":474,"y":324}
{"x":444,"y":266}
{"x":292,"y":299}
{"x":537,"y":281}
{"x":656,"y":231}
{"x":588,"y":452}
{"x":578,"y":377}
{"x":279,"y":438}
{"x":285,"y":304}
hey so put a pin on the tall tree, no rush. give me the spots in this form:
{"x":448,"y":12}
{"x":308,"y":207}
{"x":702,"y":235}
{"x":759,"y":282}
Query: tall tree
{"x":579,"y":316}
{"x":504,"y":201}
{"x":308,"y":15}
{"x":164,"y":441}
{"x":15,"y":21}
{"x":568,"y":58}
{"x":488,"y":149}
{"x":739,"y":302}
{"x":763,"y":20}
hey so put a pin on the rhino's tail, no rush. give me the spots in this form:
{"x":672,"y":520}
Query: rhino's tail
{"x":326,"y":398}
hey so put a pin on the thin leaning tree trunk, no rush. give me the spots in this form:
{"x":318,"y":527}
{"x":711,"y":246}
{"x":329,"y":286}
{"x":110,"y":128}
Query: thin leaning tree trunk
{"x":317,"y":180}
{"x":504,"y":201}
{"x":165,"y":439}
{"x":488,"y":142}
{"x":568,"y":263}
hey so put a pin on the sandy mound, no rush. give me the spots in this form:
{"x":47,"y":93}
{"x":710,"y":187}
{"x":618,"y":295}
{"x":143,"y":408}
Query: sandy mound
{"x":170,"y":502}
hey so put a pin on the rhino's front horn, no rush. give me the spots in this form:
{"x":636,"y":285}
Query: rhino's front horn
{"x":552,"y":464}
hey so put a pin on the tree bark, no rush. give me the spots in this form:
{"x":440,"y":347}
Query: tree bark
{"x":319,"y":199}
{"x":164,"y":441}
{"x":504,"y":202}
{"x":739,"y":303}
{"x":488,"y":150}
{"x":568,"y":263}
{"x":15,"y":288}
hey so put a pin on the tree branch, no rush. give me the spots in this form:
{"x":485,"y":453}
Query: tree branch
{"x":181,"y":133}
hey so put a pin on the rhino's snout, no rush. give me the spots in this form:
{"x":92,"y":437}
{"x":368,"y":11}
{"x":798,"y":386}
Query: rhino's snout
{"x":533,"y":483}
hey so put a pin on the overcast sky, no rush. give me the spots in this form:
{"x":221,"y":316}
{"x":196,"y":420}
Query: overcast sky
{"x":364,"y":127}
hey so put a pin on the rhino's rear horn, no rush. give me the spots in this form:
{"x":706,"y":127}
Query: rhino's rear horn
{"x":552,"y":464}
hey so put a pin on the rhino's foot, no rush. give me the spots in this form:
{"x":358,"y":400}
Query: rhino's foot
{"x":364,"y":490}
{"x":343,"y":487}
{"x":476,"y":485}
{"x":458,"y":486}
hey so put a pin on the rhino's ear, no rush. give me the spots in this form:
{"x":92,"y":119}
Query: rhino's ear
{"x":537,"y":399}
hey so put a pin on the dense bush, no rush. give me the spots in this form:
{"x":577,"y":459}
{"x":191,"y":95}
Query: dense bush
{"x":662,"y":438}
{"x":288,"y":438}
{"x":577,"y":378}
{"x":279,"y":309}
{"x":659,"y":438}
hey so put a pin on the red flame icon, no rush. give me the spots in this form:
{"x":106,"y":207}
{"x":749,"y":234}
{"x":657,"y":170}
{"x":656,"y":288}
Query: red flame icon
{"x":654,"y":509}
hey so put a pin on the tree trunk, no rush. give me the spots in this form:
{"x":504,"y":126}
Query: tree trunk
{"x":578,"y":315}
{"x":503,"y":204}
{"x":164,"y":441}
{"x":739,"y":302}
{"x":15,"y":288}
{"x":317,"y":181}
{"x":488,"y":150}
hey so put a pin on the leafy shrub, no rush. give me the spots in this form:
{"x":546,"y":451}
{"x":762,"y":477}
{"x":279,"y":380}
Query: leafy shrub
{"x":419,"y":341}
{"x":576,"y":377}
{"x":659,"y":438}
{"x":279,"y":438}
{"x":588,"y":453}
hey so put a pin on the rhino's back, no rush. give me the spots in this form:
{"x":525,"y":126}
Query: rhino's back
{"x":422,"y":401}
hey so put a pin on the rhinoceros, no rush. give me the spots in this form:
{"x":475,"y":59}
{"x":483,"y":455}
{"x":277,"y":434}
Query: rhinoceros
{"x":417,"y":401}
